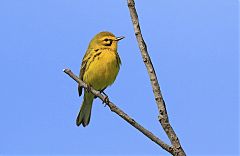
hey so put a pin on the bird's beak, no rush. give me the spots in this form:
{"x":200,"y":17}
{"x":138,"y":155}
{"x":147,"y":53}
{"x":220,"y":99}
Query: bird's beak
{"x":119,"y":38}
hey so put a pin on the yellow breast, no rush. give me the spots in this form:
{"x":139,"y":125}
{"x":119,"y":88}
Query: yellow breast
{"x":102,"y":70}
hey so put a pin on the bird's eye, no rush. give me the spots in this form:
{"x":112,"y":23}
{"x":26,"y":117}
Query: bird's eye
{"x":106,"y":39}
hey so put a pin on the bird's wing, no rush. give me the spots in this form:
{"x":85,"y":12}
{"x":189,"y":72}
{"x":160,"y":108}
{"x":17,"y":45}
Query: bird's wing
{"x":82,"y":71}
{"x":84,"y":65}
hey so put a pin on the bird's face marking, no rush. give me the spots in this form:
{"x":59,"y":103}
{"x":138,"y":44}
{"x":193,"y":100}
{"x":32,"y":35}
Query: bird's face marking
{"x":108,"y":41}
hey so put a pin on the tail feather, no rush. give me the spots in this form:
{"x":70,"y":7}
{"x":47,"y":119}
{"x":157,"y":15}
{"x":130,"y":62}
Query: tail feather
{"x":79,"y":90}
{"x":85,"y":111}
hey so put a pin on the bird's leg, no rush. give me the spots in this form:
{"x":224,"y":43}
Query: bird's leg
{"x":103,"y":93}
{"x":106,"y":99}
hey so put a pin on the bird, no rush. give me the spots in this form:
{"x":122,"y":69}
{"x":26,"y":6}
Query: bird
{"x":99,"y":69}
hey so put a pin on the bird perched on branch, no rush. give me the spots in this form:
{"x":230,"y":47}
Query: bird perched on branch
{"x":99,"y":69}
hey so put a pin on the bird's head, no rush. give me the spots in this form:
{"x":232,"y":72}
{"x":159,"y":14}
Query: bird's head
{"x":105,"y":40}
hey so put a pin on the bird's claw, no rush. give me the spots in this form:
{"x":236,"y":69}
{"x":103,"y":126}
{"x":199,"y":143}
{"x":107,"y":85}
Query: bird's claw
{"x":105,"y":101}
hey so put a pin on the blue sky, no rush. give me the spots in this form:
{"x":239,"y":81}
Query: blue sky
{"x":194,"y":49}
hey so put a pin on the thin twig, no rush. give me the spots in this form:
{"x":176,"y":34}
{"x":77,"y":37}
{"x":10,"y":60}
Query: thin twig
{"x":123,"y":115}
{"x":163,"y":116}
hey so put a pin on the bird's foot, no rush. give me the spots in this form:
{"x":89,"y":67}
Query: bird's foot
{"x":106,"y":99}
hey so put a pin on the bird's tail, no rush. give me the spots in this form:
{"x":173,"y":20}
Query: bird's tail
{"x":85,"y":111}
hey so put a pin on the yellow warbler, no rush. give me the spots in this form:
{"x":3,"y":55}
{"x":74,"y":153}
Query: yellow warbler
{"x":99,"y":69}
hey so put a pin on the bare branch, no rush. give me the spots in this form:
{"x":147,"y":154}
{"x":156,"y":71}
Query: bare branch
{"x":163,"y":116}
{"x":119,"y":112}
